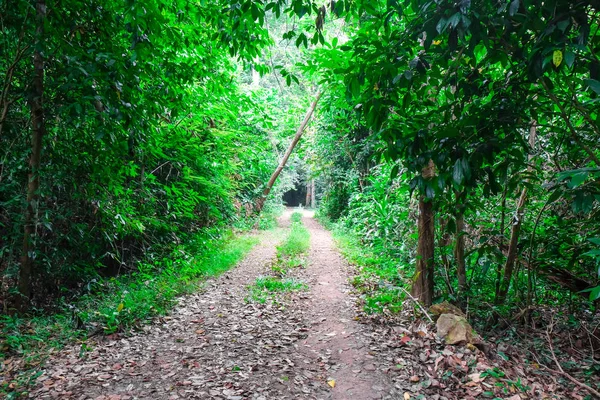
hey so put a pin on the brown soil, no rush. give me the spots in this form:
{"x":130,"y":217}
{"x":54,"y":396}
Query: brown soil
{"x":218,"y":345}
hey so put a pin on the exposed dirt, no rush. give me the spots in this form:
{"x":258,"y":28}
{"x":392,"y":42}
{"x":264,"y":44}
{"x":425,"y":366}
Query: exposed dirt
{"x":218,"y":345}
{"x":316,"y":344}
{"x":334,"y":332}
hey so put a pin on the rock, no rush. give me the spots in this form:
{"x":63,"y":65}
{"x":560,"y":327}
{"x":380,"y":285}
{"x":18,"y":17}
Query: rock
{"x":445,"y":308}
{"x":455,"y":329}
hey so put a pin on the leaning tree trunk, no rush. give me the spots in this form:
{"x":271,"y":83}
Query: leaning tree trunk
{"x":515,"y":231}
{"x":37,"y":133}
{"x":422,"y":287}
{"x":261,"y":201}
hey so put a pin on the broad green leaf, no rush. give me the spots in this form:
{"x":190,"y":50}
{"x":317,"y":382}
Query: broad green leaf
{"x":593,"y":84}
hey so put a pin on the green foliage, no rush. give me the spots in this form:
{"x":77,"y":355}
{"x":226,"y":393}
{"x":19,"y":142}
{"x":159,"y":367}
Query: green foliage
{"x":150,"y":136}
{"x":497,"y":97}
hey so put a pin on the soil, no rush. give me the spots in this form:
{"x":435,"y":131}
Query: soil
{"x":314,"y":344}
{"x":216,"y":344}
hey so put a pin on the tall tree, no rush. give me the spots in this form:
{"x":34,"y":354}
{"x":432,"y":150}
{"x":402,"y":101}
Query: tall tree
{"x":38,"y":129}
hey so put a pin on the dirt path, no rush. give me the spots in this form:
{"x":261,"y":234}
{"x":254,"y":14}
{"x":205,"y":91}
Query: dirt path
{"x":335,"y":335}
{"x":217,"y":345}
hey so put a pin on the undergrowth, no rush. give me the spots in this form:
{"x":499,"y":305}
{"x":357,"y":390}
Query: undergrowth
{"x":378,"y":278}
{"x":116,"y":304}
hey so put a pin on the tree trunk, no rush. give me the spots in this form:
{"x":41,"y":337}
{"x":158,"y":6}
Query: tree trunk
{"x":307,"y":202}
{"x":459,"y":253}
{"x":422,"y":287}
{"x":498,"y":281}
{"x":443,"y":244}
{"x":313,"y":198}
{"x":38,"y":129}
{"x":261,"y":201}
{"x":459,"y":249}
{"x":515,"y":230}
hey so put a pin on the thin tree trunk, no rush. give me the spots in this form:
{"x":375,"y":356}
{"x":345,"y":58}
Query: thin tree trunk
{"x":261,"y":201}
{"x":38,"y":129}
{"x":307,"y":202}
{"x":443,"y":244}
{"x":422,"y":288}
{"x":514,"y":232}
{"x":459,"y":254}
{"x":313,"y":200}
{"x":499,"y":267}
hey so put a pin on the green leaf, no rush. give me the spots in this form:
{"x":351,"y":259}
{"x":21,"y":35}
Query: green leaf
{"x":513,"y":8}
{"x":557,"y":194}
{"x":577,"y":179}
{"x":569,"y":58}
{"x":595,"y":241}
{"x":593,"y":84}
{"x":583,"y":202}
{"x":458,"y":172}
{"x":394,"y":172}
{"x":557,"y":57}
{"x":594,"y":293}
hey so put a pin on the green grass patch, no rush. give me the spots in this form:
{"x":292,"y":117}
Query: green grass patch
{"x":117,"y":304}
{"x":290,"y":254}
{"x":266,"y":287}
{"x":298,"y":240}
{"x":296,"y":217}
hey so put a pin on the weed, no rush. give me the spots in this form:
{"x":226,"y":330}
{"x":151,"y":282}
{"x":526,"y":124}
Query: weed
{"x":296,"y":217}
{"x":290,"y":254}
{"x":266,"y":287}
{"x":297,"y":242}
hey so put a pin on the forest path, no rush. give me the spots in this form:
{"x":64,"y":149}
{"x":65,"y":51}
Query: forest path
{"x":217,"y":345}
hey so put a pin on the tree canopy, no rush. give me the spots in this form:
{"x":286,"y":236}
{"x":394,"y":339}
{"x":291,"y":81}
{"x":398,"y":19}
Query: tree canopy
{"x":460,"y":137}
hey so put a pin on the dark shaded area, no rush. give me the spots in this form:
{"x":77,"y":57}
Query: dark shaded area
{"x":295,"y":197}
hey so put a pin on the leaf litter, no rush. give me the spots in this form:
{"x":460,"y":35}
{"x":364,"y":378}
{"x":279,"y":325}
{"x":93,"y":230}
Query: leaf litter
{"x":307,"y":345}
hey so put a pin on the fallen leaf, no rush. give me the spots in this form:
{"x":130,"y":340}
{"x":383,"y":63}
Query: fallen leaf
{"x":414,"y":378}
{"x":331,"y":382}
{"x":406,"y":396}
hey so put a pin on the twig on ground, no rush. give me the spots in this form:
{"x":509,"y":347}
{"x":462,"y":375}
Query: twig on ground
{"x":560,"y":370}
{"x":575,"y":381}
{"x":549,"y":338}
{"x":410,"y":296}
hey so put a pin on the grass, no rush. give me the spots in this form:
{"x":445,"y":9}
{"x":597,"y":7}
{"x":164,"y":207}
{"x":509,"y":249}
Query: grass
{"x":266,"y":286}
{"x":291,"y":253}
{"x":379,"y":276}
{"x":298,"y":240}
{"x":117,"y":304}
